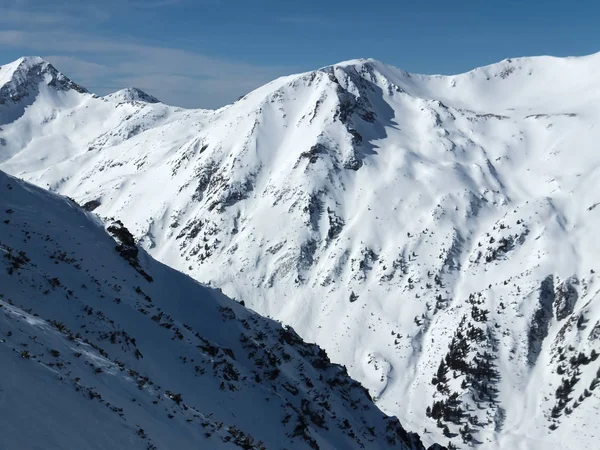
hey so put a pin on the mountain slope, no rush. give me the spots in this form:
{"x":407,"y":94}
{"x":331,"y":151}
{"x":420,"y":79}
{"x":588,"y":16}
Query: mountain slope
{"x":399,"y":220}
{"x":97,"y":336}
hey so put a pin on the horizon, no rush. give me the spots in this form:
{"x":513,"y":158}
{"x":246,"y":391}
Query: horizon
{"x":208,"y":53}
{"x":146,"y":91}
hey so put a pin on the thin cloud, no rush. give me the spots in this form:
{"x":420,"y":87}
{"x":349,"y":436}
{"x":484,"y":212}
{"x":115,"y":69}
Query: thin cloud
{"x":69,"y":14}
{"x":306,"y":20}
{"x":20,"y":17}
{"x":175,"y":76}
{"x":104,"y":63}
{"x":83,"y":72}
{"x":155,"y":4}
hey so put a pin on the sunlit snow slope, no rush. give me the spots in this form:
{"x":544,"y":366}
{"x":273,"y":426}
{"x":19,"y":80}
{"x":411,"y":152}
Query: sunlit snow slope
{"x":103,"y":347}
{"x":435,"y":234}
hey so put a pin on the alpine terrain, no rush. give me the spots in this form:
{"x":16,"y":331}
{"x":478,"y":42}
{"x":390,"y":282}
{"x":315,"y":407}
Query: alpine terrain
{"x":103,"y":347}
{"x":434,"y":234}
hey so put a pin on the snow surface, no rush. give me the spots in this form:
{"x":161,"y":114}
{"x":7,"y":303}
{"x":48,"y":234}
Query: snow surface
{"x":131,"y":95}
{"x":386,"y":216}
{"x":103,"y":347}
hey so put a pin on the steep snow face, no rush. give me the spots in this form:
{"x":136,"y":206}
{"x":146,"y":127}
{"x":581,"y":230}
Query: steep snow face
{"x":131,"y":95}
{"x":122,"y":349}
{"x":22,"y":81}
{"x":434,"y":234}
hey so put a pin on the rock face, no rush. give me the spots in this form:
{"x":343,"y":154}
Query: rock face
{"x":22,"y":81}
{"x":125,"y":349}
{"x":434,"y":234}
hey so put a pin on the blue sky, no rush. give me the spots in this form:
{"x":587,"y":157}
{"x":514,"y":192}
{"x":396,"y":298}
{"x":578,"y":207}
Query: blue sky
{"x":206,"y":53}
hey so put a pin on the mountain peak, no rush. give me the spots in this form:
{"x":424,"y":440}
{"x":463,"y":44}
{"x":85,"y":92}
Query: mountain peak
{"x":22,"y":80}
{"x":29,"y":68}
{"x":31,"y":60}
{"x":28,"y":61}
{"x":354,"y":62}
{"x":12,"y":71}
{"x":131,"y":94}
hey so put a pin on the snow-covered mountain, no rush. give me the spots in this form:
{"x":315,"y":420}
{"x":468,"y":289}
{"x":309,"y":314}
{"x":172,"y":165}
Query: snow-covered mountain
{"x":103,"y":347}
{"x":131,"y":95}
{"x":29,"y":79}
{"x":435,"y":234}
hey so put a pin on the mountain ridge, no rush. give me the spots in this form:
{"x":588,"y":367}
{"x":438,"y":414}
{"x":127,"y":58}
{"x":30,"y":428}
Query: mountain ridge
{"x":131,"y":94}
{"x":501,"y":69}
{"x":102,"y":338}
{"x":415,"y":228}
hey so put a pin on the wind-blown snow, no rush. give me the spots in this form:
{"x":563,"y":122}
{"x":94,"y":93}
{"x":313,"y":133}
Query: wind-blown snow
{"x":391,"y":217}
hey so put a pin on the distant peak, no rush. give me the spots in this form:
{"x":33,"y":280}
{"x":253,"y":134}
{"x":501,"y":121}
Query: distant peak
{"x":31,"y":60}
{"x":356,"y":62}
{"x":21,"y":67}
{"x":17,"y":77}
{"x":131,"y":94}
